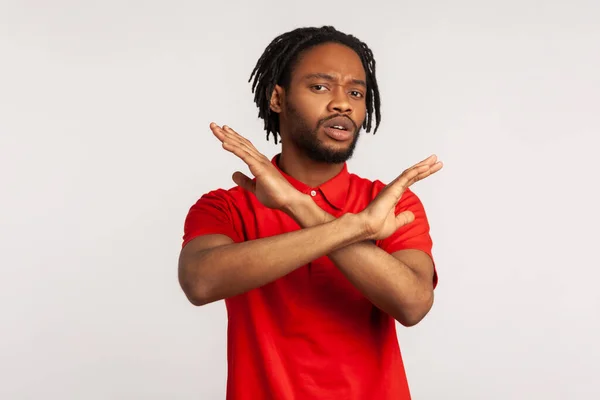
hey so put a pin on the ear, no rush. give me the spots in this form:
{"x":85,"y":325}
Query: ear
{"x":276,"y":101}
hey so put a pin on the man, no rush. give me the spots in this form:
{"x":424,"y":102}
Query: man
{"x":315,"y":264}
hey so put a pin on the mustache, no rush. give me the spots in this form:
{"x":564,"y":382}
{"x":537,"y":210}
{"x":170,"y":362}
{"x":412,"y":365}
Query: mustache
{"x":321,"y":122}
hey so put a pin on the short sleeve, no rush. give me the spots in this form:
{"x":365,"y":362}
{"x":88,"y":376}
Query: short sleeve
{"x":210,"y":215}
{"x":414,"y":235}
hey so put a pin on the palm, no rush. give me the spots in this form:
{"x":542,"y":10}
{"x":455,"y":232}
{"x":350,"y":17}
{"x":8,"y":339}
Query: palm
{"x":389,"y":225}
{"x":269,"y":186}
{"x":380,"y":216}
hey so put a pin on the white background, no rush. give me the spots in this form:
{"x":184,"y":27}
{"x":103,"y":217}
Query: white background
{"x":104,"y":146}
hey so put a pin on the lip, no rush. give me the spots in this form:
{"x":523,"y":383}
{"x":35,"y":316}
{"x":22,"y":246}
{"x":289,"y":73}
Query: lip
{"x":338,"y":134}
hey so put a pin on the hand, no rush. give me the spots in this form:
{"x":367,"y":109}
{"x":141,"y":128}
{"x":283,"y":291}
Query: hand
{"x":379,"y":218}
{"x":270,"y":187}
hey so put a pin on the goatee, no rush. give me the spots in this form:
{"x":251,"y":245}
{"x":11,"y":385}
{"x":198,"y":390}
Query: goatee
{"x":307,"y":140}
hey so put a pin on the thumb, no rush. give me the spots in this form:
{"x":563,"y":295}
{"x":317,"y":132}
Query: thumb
{"x":404,"y":218}
{"x":243,"y":181}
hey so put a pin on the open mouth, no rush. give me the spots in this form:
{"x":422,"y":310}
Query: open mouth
{"x":340,"y":129}
{"x":343,"y":124}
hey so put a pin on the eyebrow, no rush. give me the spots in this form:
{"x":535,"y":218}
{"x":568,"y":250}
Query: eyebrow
{"x":330,"y":78}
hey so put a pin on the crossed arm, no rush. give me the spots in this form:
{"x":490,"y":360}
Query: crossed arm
{"x":213,"y":267}
{"x":400,"y":283}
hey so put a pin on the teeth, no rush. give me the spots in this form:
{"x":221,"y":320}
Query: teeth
{"x":339,"y":127}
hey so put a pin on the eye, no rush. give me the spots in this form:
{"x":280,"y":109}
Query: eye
{"x":319,"y":88}
{"x":356,"y":93}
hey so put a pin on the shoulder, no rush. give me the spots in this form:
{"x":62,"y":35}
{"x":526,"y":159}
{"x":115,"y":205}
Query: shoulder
{"x":219,"y":211}
{"x":365,"y":185}
{"x":230,"y":197}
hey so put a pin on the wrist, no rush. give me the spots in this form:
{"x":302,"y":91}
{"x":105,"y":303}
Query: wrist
{"x":356,"y":224}
{"x":306,"y":212}
{"x":297,"y":205}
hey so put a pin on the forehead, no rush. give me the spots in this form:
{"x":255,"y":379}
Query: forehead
{"x":330,"y":58}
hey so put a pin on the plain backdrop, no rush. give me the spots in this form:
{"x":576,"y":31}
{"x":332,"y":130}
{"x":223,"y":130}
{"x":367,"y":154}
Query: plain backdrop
{"x":104,"y":146}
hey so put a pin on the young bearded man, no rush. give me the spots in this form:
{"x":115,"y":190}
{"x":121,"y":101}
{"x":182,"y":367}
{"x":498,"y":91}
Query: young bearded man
{"x":315,"y":264}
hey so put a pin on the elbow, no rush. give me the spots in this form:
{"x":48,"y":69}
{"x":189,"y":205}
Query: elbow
{"x":409,"y":321}
{"x":197,"y":299}
{"x":198,"y":302}
{"x":412,"y":315}
{"x":198,"y":295}
{"x":195,"y":287}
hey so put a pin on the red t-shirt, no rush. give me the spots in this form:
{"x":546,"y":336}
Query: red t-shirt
{"x":310,"y":334}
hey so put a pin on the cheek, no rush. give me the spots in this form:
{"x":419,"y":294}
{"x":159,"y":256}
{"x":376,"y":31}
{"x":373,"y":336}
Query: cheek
{"x":311,"y":102}
{"x":310,"y":108}
{"x":362,"y":111}
{"x":360,"y":114}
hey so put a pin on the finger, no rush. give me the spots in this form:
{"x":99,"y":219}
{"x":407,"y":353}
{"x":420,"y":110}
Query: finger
{"x":244,"y":142}
{"x":419,"y":172}
{"x":407,"y":177}
{"x":241,"y":153}
{"x":428,"y":172}
{"x":253,"y":159}
{"x":236,"y":135}
{"x":244,"y":182}
{"x":432,"y":159}
{"x":404,"y":218}
{"x":223,"y":134}
{"x":232,"y":143}
{"x":227,"y":135}
{"x":435,"y":168}
{"x":217,"y":131}
{"x":429,"y":161}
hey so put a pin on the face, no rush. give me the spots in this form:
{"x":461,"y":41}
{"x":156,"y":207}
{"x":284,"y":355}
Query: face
{"x":324,"y":107}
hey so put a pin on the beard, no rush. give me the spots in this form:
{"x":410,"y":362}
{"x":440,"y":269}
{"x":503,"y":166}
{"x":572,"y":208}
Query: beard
{"x":306,"y":140}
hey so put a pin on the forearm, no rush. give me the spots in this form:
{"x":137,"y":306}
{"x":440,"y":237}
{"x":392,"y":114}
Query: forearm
{"x":389,"y":283}
{"x":386,"y":281}
{"x":232,"y":269}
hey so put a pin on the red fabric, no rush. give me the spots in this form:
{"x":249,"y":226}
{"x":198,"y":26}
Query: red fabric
{"x":310,"y":334}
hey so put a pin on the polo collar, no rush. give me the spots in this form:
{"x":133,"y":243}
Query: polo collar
{"x":334,"y":190}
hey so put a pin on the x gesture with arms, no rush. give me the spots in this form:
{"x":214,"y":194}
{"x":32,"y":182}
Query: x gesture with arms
{"x":399,"y":283}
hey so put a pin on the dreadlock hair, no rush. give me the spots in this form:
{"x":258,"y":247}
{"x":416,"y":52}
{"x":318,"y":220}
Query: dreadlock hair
{"x":275,"y":65}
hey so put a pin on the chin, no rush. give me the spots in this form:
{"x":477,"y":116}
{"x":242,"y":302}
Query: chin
{"x":329,"y":155}
{"x":324,"y":149}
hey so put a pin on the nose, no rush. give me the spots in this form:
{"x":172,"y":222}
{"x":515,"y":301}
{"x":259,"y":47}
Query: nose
{"x":340,"y":103}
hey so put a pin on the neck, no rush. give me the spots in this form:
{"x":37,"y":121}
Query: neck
{"x":307,"y":171}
